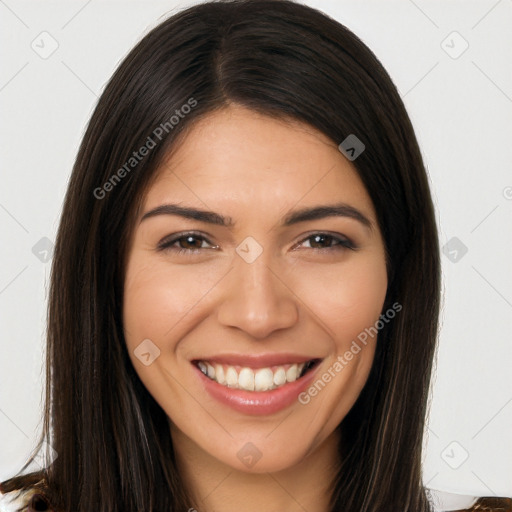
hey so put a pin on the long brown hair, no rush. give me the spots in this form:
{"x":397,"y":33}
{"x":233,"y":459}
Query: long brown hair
{"x":282,"y":59}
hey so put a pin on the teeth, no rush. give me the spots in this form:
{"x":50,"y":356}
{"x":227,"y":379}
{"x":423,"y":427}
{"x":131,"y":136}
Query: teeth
{"x":279,"y":377}
{"x":231,"y":377}
{"x":219,"y":374}
{"x":291,"y":373}
{"x":246,"y":379}
{"x":262,"y":379}
{"x":203,"y":367}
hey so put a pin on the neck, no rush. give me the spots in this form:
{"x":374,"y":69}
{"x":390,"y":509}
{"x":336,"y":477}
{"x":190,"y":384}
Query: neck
{"x":217,"y":487}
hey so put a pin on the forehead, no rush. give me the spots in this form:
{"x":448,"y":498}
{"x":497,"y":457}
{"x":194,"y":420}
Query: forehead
{"x":236,"y":157}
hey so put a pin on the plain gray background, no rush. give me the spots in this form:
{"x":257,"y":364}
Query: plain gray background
{"x":451,"y":63}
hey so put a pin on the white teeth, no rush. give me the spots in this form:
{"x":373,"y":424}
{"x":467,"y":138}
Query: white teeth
{"x":203,"y":367}
{"x":279,"y":377}
{"x":246,"y":379}
{"x":262,"y":379}
{"x":219,"y":374}
{"x":231,"y":377}
{"x":291,"y":373}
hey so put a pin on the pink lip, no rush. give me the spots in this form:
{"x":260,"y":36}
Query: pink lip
{"x":257,"y":402}
{"x":257,"y":361}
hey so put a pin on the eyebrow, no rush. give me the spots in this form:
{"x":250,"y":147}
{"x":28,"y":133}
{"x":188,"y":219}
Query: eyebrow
{"x":295,"y":217}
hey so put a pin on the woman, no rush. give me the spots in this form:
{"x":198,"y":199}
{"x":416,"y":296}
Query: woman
{"x":245,"y":287}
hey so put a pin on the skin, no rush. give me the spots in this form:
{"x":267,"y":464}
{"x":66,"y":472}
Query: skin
{"x":297,"y":296}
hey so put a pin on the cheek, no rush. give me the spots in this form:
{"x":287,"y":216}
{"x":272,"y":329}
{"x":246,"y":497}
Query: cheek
{"x":156,"y":299}
{"x":347,"y":300}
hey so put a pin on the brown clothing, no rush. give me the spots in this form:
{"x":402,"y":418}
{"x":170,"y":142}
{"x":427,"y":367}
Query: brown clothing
{"x":491,"y":505}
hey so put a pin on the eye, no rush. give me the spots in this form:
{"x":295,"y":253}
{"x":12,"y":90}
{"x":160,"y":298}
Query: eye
{"x":326,"y":241}
{"x":185,"y":243}
{"x":192,"y":243}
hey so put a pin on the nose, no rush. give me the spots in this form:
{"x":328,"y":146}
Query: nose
{"x":257,"y":299}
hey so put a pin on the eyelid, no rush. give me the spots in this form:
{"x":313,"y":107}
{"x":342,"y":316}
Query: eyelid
{"x":169,"y":240}
{"x":342,"y":242}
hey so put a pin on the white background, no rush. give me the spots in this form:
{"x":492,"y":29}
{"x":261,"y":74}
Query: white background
{"x":461,"y":108}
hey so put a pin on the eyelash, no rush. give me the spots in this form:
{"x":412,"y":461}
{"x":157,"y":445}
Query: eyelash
{"x":167,"y":245}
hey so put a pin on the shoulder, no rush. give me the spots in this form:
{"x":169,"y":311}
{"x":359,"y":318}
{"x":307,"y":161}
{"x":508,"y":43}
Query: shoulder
{"x":28,"y":500}
{"x":16,"y":501}
{"x":491,"y":505}
{"x":446,"y":502}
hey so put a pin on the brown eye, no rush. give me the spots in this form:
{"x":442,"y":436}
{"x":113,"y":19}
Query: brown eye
{"x":320,"y":241}
{"x":190,"y":242}
{"x":185,"y":243}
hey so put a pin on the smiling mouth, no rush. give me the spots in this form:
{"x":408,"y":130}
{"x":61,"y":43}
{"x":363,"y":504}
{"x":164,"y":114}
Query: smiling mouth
{"x":255,"y":379}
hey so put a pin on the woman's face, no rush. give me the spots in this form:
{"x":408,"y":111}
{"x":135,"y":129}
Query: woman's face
{"x":239,"y":267}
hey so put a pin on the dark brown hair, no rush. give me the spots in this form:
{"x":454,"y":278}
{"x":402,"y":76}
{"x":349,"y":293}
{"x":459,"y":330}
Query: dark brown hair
{"x":281,"y":59}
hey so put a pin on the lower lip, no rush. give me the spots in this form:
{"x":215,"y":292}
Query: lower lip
{"x":257,"y":402}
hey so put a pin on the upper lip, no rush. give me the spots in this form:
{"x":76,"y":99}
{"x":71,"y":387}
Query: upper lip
{"x":257,"y":360}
